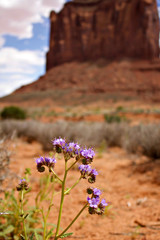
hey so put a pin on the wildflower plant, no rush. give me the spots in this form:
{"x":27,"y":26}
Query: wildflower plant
{"x":83,"y":157}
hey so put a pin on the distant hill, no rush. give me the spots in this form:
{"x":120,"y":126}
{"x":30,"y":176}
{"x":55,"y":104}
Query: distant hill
{"x":76,"y":83}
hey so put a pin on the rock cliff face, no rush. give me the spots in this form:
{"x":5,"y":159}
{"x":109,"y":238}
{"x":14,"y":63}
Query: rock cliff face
{"x":111,"y":29}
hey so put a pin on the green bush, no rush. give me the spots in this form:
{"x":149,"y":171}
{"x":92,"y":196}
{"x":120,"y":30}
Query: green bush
{"x":114,"y":118}
{"x":13,"y":112}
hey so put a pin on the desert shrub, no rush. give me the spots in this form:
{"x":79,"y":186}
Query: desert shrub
{"x":81,"y":132}
{"x":4,"y":160}
{"x":85,"y":133}
{"x":120,"y":109}
{"x":115,"y":134}
{"x":132,"y":139}
{"x":114,"y":118}
{"x":13,"y":112}
{"x":144,"y":139}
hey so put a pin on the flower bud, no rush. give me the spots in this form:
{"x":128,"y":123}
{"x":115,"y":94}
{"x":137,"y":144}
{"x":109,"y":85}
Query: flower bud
{"x":23,"y":185}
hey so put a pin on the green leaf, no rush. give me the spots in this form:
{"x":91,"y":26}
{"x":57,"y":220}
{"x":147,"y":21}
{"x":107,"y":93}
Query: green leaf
{"x":38,"y":230}
{"x":22,"y":237}
{"x":8,"y":230}
{"x":3,"y":225}
{"x":37,"y":236}
{"x":52,"y":224}
{"x":27,"y":171}
{"x":32,"y":220}
{"x":26,"y":216}
{"x":66,"y":235}
{"x":31,"y":237}
{"x":49,"y":234}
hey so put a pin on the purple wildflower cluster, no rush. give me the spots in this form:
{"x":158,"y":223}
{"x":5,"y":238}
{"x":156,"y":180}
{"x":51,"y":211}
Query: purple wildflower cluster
{"x":83,"y":155}
{"x":45,"y":161}
{"x":87,"y":172}
{"x":95,"y":205}
{"x":23,"y":185}
{"x":71,"y":150}
{"x":87,"y":155}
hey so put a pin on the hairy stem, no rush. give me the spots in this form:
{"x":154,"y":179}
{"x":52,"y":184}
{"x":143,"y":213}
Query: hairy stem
{"x":56,"y":175}
{"x":62,"y":200}
{"x":71,"y":165}
{"x":72,"y":221}
{"x":22,"y":214}
{"x":45,"y":217}
{"x":68,"y":190}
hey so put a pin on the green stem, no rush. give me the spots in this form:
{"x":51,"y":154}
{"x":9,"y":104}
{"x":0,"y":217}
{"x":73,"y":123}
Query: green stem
{"x":45,"y":225}
{"x":51,"y":202}
{"x":22,"y":214}
{"x":68,"y":190}
{"x":71,"y":165}
{"x":45,"y":218}
{"x":72,"y":221}
{"x":62,"y":199}
{"x":56,"y":175}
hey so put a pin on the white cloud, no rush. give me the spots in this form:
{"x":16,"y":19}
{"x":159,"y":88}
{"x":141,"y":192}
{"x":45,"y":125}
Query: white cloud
{"x":13,"y":60}
{"x":18,"y":68}
{"x":17,"y":16}
{"x":13,"y":82}
{"x":2,"y":41}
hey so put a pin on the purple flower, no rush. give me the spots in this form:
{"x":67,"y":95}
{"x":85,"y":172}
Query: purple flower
{"x":73,"y":148}
{"x":103,"y":203}
{"x":47,"y":161}
{"x":94,"y":172}
{"x":58,"y":142}
{"x":22,"y":181}
{"x":87,"y":155}
{"x":85,"y":170}
{"x":95,"y":206}
{"x":93,"y":202}
{"x":50,"y":162}
{"x":96,"y":192}
{"x":23,"y":185}
{"x":101,"y":207}
{"x":40,"y":160}
{"x":92,"y":176}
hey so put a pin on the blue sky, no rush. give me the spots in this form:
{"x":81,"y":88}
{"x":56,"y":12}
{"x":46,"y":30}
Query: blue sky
{"x":24,"y":40}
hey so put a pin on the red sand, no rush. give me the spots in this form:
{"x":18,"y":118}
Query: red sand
{"x":129,"y":182}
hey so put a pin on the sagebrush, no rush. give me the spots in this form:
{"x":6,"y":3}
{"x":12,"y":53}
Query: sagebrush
{"x":143,"y":138}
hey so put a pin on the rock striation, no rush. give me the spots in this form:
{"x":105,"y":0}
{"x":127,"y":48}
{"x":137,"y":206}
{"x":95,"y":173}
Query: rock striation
{"x":86,"y":30}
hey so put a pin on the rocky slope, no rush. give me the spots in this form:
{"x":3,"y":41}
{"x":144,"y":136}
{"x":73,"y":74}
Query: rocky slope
{"x":126,"y":78}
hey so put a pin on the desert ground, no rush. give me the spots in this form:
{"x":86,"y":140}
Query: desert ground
{"x":129,"y":182}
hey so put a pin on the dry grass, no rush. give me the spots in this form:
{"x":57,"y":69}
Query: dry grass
{"x":143,"y":139}
{"x":4,"y":160}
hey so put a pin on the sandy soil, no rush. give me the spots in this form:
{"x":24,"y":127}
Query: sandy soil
{"x":131,"y":183}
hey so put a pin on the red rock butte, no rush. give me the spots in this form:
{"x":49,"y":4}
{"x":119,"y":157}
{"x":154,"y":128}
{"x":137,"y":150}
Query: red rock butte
{"x":86,"y":30}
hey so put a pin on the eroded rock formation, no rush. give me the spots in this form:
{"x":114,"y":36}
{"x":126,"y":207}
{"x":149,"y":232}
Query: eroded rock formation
{"x":91,"y":29}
